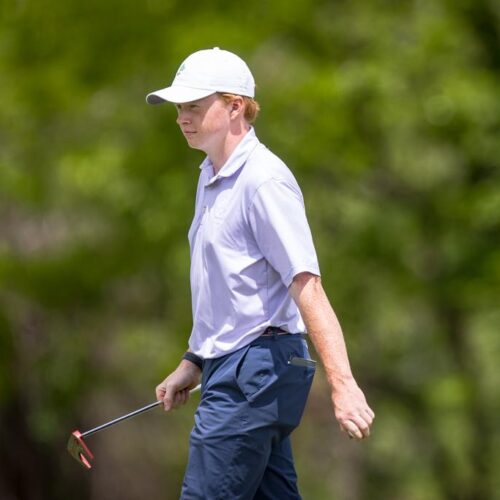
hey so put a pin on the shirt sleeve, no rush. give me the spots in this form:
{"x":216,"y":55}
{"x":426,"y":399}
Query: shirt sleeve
{"x":279,"y":224}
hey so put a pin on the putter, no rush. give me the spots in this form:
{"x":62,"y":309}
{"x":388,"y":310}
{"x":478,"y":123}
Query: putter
{"x":79,"y":450}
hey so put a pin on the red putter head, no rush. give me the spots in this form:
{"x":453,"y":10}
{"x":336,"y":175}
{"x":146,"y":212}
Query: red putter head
{"x":79,"y":450}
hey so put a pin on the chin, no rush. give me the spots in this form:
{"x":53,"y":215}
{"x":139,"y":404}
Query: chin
{"x":195,"y":145}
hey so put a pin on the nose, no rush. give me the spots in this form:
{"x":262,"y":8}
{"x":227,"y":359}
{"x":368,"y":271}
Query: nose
{"x":182,"y":118}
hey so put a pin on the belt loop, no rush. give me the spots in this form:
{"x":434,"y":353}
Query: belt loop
{"x":275,"y":333}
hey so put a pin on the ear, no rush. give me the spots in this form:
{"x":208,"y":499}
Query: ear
{"x":237,"y":106}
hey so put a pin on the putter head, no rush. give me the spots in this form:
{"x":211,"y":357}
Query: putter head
{"x":78,"y":449}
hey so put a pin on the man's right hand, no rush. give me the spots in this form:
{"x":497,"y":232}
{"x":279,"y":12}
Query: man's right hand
{"x":174,"y":390}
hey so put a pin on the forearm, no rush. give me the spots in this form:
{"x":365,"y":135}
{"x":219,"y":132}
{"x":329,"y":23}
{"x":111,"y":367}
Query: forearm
{"x":323,"y":328}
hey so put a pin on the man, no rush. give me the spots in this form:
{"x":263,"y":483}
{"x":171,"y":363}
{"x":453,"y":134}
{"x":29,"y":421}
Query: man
{"x":256,"y":290}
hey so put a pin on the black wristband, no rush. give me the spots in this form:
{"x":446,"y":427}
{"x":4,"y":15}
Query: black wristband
{"x":191,"y":356}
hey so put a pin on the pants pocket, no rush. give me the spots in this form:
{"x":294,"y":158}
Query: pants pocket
{"x":256,"y":372}
{"x":276,"y":381}
{"x":295,"y":385}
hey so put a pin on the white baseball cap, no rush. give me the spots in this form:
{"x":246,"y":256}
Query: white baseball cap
{"x":205,"y":72}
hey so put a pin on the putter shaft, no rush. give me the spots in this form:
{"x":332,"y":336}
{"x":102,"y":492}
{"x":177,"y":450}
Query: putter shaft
{"x":120,"y":419}
{"x":129,"y":415}
{"x":148,"y":407}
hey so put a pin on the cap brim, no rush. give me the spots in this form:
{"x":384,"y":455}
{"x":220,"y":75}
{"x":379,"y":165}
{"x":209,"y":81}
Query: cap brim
{"x":177,"y":95}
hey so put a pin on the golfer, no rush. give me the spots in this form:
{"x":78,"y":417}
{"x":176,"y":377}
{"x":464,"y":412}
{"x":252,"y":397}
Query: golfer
{"x":256,"y":291}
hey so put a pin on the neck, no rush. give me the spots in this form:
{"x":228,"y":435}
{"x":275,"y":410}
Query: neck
{"x":222,"y":151}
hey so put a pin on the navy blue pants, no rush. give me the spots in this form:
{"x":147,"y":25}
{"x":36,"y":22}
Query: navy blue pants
{"x":251,"y":401}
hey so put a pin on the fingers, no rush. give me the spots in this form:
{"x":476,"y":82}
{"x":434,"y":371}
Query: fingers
{"x":353,"y":430}
{"x":370,"y":413}
{"x":358,"y":427}
{"x":174,"y":390}
{"x":160,"y":392}
{"x":181,"y":398}
{"x":171,"y":399}
{"x":362,"y":428}
{"x":352,"y":411}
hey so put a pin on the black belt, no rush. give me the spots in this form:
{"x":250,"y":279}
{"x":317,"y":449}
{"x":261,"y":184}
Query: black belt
{"x":270,"y":331}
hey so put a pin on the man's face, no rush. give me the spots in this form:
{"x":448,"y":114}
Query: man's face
{"x":205,"y":122}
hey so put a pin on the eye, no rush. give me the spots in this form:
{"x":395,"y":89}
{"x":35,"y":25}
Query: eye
{"x":193,"y":106}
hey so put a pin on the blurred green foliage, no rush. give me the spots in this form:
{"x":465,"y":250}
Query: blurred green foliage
{"x":389,"y":115}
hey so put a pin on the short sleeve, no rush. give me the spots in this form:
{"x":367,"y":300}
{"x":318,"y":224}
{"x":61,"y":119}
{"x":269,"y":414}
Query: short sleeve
{"x":279,"y":224}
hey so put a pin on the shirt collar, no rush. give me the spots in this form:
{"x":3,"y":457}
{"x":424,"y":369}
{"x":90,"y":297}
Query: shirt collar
{"x":235,"y":161}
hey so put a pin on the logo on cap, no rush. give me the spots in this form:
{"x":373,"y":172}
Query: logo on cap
{"x":181,"y":69}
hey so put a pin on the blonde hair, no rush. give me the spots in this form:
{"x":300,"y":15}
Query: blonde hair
{"x":252,"y":107}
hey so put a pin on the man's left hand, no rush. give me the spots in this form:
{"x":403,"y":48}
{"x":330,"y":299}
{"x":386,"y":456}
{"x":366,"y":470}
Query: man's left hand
{"x":352,"y":412}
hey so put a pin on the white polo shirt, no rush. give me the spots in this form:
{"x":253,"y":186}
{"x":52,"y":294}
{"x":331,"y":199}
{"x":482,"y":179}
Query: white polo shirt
{"x":248,"y":239}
